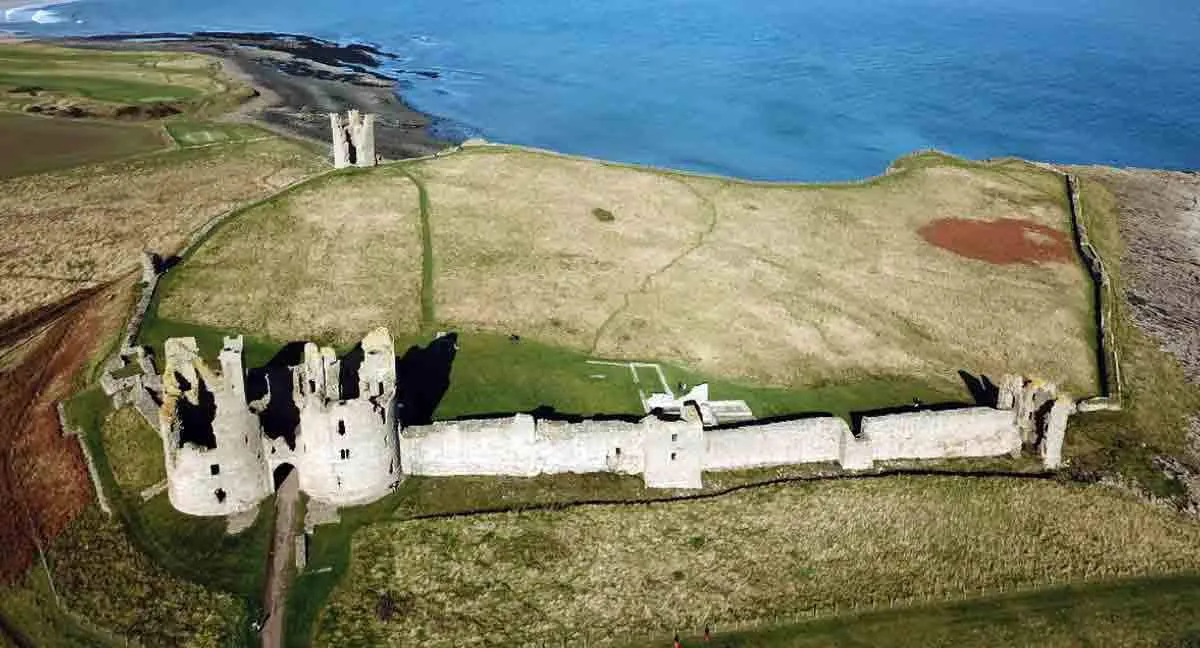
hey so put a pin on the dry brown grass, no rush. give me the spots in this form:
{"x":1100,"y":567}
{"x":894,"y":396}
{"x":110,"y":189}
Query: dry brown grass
{"x":331,"y":259}
{"x":66,"y":230}
{"x":794,"y":285}
{"x":522,"y":227}
{"x":615,"y":572}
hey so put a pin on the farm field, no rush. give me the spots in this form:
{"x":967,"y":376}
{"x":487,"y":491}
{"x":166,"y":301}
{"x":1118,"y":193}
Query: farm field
{"x":791,"y":286}
{"x":34,"y":144}
{"x":646,"y":571}
{"x":79,"y":227}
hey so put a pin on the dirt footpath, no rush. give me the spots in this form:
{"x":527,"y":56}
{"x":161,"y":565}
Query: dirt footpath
{"x":1160,"y":224}
{"x":281,"y":559}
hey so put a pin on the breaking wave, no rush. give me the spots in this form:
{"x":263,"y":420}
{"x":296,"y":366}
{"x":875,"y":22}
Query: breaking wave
{"x":41,"y":13}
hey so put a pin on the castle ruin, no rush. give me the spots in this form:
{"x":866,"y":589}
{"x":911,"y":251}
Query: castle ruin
{"x":353,"y":139}
{"x":349,"y":448}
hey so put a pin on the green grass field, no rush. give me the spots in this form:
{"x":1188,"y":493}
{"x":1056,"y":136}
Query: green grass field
{"x":199,"y":133}
{"x":491,"y":374}
{"x":94,"y":78}
{"x":99,"y":86}
{"x":134,"y":451}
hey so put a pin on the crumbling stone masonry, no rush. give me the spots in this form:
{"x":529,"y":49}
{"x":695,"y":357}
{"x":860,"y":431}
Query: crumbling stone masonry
{"x":353,"y":139}
{"x":214,"y":454}
{"x":347,"y":448}
{"x":219,"y":460}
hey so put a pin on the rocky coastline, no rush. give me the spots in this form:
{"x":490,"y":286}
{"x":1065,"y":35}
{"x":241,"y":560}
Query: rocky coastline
{"x":299,"y":80}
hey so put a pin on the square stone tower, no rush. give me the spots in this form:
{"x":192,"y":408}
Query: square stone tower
{"x":353,"y":139}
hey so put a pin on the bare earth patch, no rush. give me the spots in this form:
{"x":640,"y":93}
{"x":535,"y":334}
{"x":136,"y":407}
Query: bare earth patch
{"x":43,"y":481}
{"x":1002,"y":241}
{"x":612,"y":575}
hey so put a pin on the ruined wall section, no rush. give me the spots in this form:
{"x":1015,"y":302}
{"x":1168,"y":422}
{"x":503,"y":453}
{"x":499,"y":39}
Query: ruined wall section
{"x":347,"y":450}
{"x":669,"y":454}
{"x":500,"y":446}
{"x":778,"y":443}
{"x":946,"y":434}
{"x":589,"y":446}
{"x":231,"y":477}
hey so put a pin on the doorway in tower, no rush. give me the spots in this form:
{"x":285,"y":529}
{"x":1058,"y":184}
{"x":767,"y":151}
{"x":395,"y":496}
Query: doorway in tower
{"x":282,"y":472}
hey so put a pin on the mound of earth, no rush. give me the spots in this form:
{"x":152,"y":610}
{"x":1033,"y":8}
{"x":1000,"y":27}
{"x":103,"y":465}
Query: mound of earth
{"x":1003,"y":241}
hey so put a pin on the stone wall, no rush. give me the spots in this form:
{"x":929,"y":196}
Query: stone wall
{"x":669,"y":454}
{"x":676,"y":453}
{"x":347,"y":449}
{"x":500,"y":446}
{"x":946,"y":434}
{"x":796,"y":441}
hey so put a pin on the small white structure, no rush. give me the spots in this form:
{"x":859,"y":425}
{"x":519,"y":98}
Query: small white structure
{"x":711,"y":412}
{"x":353,"y":139}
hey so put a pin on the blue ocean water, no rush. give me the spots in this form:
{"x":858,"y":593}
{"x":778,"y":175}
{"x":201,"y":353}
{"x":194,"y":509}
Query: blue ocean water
{"x":767,"y":89}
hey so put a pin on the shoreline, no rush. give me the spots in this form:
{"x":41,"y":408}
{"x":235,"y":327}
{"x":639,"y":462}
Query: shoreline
{"x":298,"y":80}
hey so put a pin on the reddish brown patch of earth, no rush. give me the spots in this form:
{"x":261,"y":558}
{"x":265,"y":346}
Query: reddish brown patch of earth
{"x":43,"y":481}
{"x":1002,"y":241}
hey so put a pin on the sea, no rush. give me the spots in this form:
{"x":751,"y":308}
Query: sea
{"x":807,"y":90}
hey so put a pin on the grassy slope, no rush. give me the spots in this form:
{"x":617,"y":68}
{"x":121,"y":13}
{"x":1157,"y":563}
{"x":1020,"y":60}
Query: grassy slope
{"x":636,"y":571}
{"x":160,"y":548}
{"x":1148,"y":611}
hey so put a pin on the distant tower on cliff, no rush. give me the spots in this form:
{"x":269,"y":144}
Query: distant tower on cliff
{"x":353,"y":139}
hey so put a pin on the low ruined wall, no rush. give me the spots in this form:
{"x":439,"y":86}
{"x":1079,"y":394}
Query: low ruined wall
{"x":968,"y":432}
{"x":775,"y":444}
{"x":1106,"y":298}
